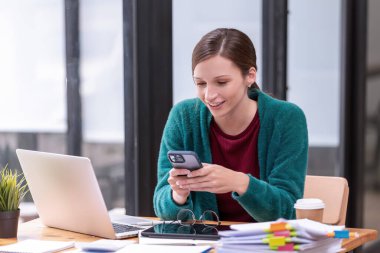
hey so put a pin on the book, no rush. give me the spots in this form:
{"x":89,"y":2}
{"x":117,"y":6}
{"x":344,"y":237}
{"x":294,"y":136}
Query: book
{"x":36,"y":246}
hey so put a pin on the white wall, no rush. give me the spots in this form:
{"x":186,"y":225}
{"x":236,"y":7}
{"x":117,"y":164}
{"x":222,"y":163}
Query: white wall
{"x":194,"y":18}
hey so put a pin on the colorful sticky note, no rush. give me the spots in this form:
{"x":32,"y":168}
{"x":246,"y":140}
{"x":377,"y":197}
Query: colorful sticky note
{"x":286,"y":247}
{"x":285,"y":233}
{"x":342,"y":234}
{"x":278,"y":226}
{"x":276,"y":241}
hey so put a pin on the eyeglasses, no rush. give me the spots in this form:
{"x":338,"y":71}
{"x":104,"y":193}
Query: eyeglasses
{"x":209,"y":221}
{"x":208,"y":218}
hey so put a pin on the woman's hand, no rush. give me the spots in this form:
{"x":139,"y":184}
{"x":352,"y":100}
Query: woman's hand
{"x":179,"y":195}
{"x":214,"y":178}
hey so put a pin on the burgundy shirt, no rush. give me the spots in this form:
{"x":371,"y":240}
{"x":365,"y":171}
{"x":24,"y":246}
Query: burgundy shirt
{"x":239,"y":153}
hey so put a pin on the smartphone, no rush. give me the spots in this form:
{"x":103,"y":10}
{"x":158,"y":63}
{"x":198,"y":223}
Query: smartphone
{"x":184,"y":160}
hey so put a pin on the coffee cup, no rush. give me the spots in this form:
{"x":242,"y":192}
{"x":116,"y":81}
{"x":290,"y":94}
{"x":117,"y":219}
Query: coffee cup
{"x":311,"y":209}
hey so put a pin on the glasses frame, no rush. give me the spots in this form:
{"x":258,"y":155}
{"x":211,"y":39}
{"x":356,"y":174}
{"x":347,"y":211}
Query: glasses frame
{"x":201,"y":219}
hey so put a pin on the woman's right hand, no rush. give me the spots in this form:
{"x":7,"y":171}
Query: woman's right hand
{"x":179,"y":195}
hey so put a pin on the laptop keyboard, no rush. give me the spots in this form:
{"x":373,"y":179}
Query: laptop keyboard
{"x":122,"y":228}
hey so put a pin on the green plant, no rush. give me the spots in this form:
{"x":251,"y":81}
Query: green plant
{"x":13,"y":188}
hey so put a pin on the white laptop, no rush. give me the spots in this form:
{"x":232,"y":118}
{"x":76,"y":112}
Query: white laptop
{"x":67,"y":196}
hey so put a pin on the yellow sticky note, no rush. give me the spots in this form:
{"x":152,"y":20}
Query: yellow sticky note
{"x":276,"y":241}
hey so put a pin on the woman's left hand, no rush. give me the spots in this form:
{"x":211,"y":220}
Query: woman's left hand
{"x":216,"y":179}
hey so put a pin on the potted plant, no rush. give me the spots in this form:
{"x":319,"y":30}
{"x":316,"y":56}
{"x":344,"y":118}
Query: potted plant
{"x":12,"y":189}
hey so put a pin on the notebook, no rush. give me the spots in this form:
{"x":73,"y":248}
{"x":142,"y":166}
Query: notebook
{"x":67,"y":196}
{"x":36,"y":246}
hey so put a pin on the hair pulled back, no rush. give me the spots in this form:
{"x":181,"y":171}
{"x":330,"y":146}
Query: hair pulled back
{"x":228,"y":43}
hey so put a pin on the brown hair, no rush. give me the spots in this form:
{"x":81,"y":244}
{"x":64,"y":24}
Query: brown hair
{"x":229,"y":43}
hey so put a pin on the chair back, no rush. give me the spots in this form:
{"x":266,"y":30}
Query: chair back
{"x":334,"y":192}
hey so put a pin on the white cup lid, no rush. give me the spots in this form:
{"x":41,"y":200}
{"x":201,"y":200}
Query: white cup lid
{"x":309,"y":204}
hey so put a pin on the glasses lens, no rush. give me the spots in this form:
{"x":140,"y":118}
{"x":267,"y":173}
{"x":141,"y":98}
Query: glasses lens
{"x":186,"y":217}
{"x":209,"y":230}
{"x":187,"y":230}
{"x":210,"y":218}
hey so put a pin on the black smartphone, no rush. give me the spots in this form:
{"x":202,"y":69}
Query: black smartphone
{"x":184,"y":160}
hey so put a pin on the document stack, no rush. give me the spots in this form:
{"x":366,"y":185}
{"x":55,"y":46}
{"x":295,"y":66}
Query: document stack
{"x":283,"y":235}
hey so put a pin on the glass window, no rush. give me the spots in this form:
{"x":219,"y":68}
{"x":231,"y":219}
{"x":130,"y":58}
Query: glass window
{"x":32,"y":81}
{"x":101,"y":74}
{"x":372,"y":131}
{"x":32,"y":63}
{"x":314,"y":76}
{"x":192,"y":19}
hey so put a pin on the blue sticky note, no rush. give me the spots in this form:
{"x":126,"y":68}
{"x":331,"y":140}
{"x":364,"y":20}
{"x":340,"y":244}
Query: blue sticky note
{"x":342,"y":234}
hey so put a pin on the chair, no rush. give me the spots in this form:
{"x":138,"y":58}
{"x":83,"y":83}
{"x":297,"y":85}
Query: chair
{"x":334,"y":192}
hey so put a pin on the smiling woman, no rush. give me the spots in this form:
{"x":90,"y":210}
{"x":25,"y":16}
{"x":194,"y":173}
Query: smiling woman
{"x":223,"y":89}
{"x":253,"y":147}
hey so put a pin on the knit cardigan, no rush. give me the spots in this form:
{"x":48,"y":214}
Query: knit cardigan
{"x":282,"y":153}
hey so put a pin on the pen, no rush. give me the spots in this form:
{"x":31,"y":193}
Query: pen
{"x":153,"y":222}
{"x":96,"y":250}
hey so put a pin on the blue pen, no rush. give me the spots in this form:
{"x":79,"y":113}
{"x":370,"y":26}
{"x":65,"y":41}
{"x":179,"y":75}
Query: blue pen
{"x":89,"y":250}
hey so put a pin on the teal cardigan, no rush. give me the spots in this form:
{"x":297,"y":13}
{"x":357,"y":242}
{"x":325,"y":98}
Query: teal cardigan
{"x":282,"y":152}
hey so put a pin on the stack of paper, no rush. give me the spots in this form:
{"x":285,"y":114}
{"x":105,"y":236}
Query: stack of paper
{"x":283,"y":235}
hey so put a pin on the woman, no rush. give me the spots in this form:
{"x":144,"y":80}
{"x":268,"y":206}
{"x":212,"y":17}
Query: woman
{"x":253,"y":147}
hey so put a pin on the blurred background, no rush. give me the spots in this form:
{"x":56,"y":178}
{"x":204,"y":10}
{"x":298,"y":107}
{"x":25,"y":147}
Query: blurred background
{"x":98,"y":78}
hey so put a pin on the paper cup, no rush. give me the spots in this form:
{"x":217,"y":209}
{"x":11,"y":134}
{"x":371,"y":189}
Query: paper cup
{"x":311,"y":209}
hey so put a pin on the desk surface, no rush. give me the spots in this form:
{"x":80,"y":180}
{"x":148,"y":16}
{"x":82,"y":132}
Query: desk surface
{"x":35,"y":230}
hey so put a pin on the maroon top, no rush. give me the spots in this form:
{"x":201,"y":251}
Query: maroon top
{"x":239,"y":153}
